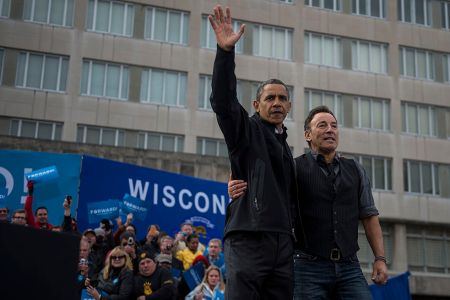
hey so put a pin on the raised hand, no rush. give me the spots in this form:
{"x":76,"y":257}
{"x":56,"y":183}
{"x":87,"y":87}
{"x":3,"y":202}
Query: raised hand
{"x":223,"y":28}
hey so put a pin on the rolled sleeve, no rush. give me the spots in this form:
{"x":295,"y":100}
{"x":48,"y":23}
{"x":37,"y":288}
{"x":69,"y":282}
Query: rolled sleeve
{"x":366,"y":203}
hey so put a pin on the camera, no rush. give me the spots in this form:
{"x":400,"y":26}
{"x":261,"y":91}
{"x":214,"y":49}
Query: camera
{"x":130,"y":241}
{"x":69,"y":199}
{"x":83,"y":261}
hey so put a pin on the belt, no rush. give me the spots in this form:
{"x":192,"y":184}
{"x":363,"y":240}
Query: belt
{"x":335,"y":254}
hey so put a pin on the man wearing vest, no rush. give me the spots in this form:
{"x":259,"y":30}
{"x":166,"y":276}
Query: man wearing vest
{"x":334,"y":194}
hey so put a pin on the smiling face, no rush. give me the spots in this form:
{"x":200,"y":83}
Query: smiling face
{"x":323,"y":134}
{"x":273,"y":105}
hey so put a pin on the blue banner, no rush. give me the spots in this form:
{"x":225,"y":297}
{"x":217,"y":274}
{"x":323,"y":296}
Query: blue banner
{"x":15,"y":164}
{"x":169,"y":199}
{"x":102,"y":210}
{"x":42,"y":175}
{"x":396,"y":288}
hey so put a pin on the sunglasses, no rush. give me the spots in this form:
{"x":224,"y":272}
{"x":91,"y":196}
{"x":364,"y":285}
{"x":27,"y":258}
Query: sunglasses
{"x":117,"y":257}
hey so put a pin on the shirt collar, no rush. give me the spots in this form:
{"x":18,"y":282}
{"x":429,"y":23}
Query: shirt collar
{"x":316,"y":156}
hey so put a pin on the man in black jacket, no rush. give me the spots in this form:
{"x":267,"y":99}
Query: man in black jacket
{"x":259,"y":227}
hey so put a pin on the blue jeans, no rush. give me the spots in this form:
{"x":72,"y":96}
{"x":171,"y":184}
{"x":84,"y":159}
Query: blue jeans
{"x":319,"y":278}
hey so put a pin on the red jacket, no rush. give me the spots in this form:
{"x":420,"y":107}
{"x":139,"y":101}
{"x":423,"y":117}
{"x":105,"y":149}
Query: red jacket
{"x":31,"y":221}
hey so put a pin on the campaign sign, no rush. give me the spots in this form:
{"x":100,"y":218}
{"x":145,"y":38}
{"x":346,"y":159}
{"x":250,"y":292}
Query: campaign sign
{"x":135,"y":206}
{"x":169,"y":199}
{"x":102,"y":210}
{"x":42,"y":175}
{"x":14,"y":165}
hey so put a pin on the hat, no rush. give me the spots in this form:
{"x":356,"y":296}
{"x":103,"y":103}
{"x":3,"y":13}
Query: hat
{"x":164,"y":258}
{"x":99,"y":231}
{"x":145,"y":254}
{"x":90,"y":230}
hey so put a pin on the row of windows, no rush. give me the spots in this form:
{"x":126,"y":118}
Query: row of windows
{"x":419,"y":177}
{"x":165,"y":87}
{"x":427,"y":249}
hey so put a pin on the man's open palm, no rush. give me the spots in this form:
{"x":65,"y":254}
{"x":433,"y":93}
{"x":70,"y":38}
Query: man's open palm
{"x":223,"y":27}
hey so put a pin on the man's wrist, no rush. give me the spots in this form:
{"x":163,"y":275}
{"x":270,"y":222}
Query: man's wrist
{"x":380,"y":258}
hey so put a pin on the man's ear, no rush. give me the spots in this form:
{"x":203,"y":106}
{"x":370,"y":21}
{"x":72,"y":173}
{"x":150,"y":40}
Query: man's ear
{"x":307,"y":135}
{"x":256,"y":105}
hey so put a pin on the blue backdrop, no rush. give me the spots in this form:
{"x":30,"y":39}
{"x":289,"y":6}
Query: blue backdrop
{"x":15,"y":164}
{"x":164,"y":198}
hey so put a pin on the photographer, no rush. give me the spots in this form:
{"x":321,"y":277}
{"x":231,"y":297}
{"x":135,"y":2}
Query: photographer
{"x":180,"y":239}
{"x":129,"y":245}
{"x":69,"y":224}
{"x":166,"y":249}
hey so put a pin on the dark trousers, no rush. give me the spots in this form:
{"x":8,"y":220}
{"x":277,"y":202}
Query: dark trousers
{"x":318,"y":278}
{"x":259,"y":266}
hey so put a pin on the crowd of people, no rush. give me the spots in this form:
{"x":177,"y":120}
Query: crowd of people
{"x":114,"y":264}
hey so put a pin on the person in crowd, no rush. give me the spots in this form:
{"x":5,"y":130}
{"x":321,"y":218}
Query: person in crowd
{"x":40,"y":218}
{"x":98,"y":250}
{"x":165,"y":248}
{"x":4,"y":215}
{"x":69,"y":224}
{"x":152,"y":281}
{"x":188,"y":255}
{"x":19,"y":217}
{"x":214,"y":253}
{"x":262,"y":223}
{"x":150,"y":243}
{"x":129,"y":244}
{"x":211,"y":287}
{"x":186,"y":229}
{"x":121,"y":228}
{"x":335,"y":194}
{"x":107,"y":226}
{"x":115,"y":281}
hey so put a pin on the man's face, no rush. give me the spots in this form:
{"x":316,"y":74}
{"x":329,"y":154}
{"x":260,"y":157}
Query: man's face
{"x":273,"y":105}
{"x":84,"y":250}
{"x":3,"y":214}
{"x":166,"y":246}
{"x":91,"y":238}
{"x":187,"y":229}
{"x":42,"y":216}
{"x":19,"y":219}
{"x":147,"y":266}
{"x":193,"y":244}
{"x":213,"y":249}
{"x":323,"y":133}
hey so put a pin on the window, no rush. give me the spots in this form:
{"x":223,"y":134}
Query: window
{"x":371,"y":113}
{"x":104,"y":80}
{"x":36,"y":129}
{"x":428,"y":249}
{"x":4,"y":8}
{"x":204,"y":92}
{"x":100,"y":135}
{"x":166,"y":25}
{"x":2,"y":53}
{"x":417,"y":63}
{"x":446,"y":67}
{"x":213,"y":147}
{"x":208,"y":37}
{"x":269,"y":41}
{"x":323,"y":50}
{"x":115,"y":17}
{"x":378,"y":169}
{"x":414,"y":11}
{"x":445,"y":14}
{"x":327,"y":4}
{"x":333,"y":101}
{"x":287,"y":1}
{"x":419,"y":119}
{"x":53,"y":12}
{"x":369,"y":56}
{"x":421,"y":177}
{"x":160,"y":142}
{"x":365,"y":254}
{"x":372,"y":8}
{"x":164,"y":87}
{"x":42,"y":71}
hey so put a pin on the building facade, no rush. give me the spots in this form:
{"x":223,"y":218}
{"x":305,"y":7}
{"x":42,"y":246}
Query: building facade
{"x":130,"y":80}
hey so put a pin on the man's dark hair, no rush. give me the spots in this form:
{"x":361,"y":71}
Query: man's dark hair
{"x":261,"y":86}
{"x":191,"y":236}
{"x":40,"y":207}
{"x":312,"y":113}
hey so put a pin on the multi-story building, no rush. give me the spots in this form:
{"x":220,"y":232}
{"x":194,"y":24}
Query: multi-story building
{"x":131,"y":80}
